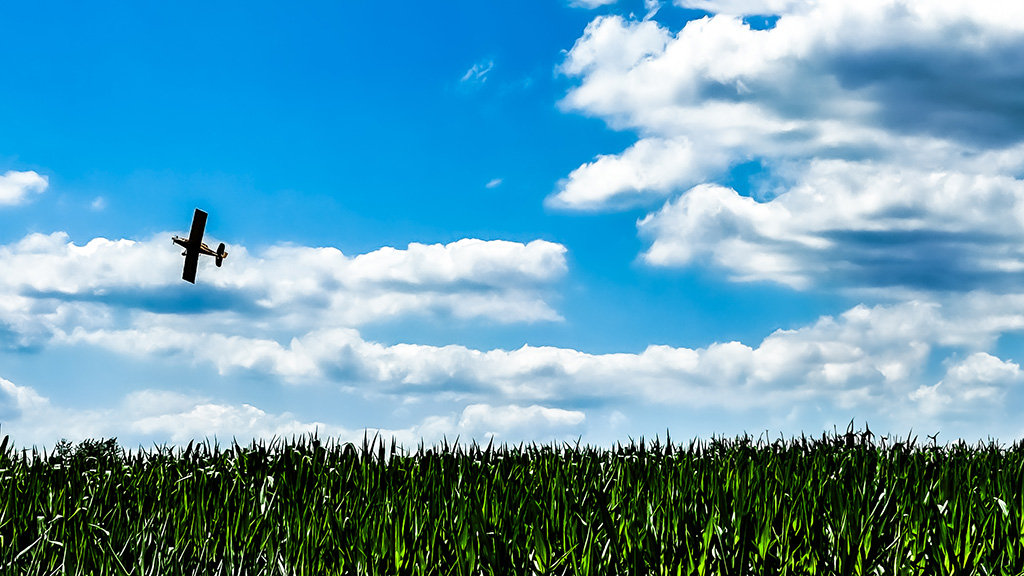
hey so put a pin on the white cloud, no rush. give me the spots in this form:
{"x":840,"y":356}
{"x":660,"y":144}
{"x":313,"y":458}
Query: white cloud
{"x":611,"y":46}
{"x":652,"y":7}
{"x":52,"y":263}
{"x":853,"y":225}
{"x":287,"y":312}
{"x":652,"y":167}
{"x":890,"y":141}
{"x":164,"y":416}
{"x":868,"y":362}
{"x":117,"y":284}
{"x":200,"y":418}
{"x":748,"y":7}
{"x":490,"y":263}
{"x":512,"y":421}
{"x":833,"y":81}
{"x":477,"y":73}
{"x":866,"y":358}
{"x":590,"y":4}
{"x":30,"y":419}
{"x":890,"y":134}
{"x":987,"y":11}
{"x":20,"y":398}
{"x":15,"y":187}
{"x":493,"y":183}
{"x":976,"y":385}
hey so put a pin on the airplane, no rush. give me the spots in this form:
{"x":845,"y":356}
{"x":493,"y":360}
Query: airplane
{"x":194,"y":247}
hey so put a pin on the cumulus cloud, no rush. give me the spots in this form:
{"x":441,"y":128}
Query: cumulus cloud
{"x":747,"y":7}
{"x":853,"y":224}
{"x":833,"y":81}
{"x":30,"y":418}
{"x":15,"y":187}
{"x":889,"y":135}
{"x":288,"y":312}
{"x":517,"y":421}
{"x":20,"y":398}
{"x":868,"y":359}
{"x":650,"y":168}
{"x":111,"y":284}
{"x":977,"y":384}
{"x":869,"y":362}
{"x":147,"y":415}
{"x":158,"y":413}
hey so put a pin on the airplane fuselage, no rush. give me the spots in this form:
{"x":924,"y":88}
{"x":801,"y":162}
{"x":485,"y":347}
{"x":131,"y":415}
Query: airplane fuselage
{"x":203,"y":248}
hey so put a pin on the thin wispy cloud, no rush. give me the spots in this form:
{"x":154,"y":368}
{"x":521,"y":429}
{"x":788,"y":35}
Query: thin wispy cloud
{"x":651,"y":7}
{"x":591,"y":4}
{"x":477,"y":73}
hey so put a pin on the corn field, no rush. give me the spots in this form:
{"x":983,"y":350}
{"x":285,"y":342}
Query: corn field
{"x":836,"y":505}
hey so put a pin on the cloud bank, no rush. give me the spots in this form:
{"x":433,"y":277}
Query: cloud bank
{"x":284,"y":316}
{"x":106,"y":284}
{"x":868,"y":362}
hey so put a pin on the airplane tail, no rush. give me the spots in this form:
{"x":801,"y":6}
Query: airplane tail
{"x":221,"y":254}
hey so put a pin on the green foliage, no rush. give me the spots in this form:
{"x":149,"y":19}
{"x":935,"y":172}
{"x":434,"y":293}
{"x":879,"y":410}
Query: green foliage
{"x":834,"y":506}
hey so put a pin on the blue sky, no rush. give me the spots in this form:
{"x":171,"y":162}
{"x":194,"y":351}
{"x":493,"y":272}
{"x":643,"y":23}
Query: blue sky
{"x":519,"y":220}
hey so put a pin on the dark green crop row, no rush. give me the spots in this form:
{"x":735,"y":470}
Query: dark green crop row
{"x":835,"y":505}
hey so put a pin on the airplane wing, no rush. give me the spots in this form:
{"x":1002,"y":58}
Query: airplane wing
{"x":195,"y":240}
{"x":195,"y":236}
{"x":191,"y":263}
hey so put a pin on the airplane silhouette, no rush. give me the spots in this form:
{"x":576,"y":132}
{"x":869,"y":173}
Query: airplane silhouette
{"x":194,"y":247}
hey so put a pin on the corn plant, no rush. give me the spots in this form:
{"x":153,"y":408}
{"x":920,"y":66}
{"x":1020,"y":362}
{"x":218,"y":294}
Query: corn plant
{"x":838,"y":505}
